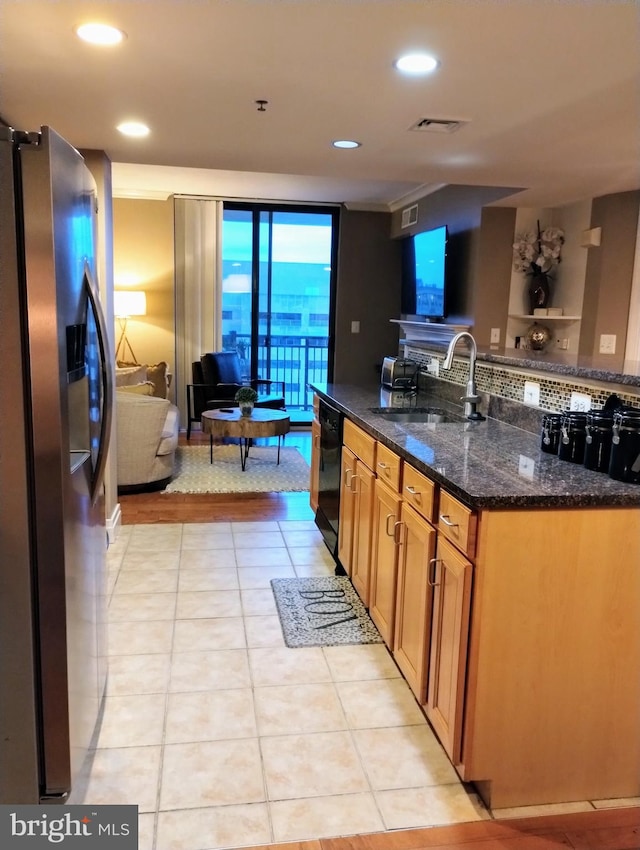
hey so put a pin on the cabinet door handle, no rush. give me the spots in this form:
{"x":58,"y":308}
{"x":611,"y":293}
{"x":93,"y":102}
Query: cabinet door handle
{"x":393,"y":517}
{"x":433,"y":565}
{"x":445,"y":519}
{"x":347,"y":477}
{"x":412,"y":490}
{"x":396,"y":532}
{"x":316,"y":441}
{"x":383,"y":465}
{"x":354,"y":485}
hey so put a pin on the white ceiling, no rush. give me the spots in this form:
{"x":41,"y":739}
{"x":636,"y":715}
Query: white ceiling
{"x":551,"y":91}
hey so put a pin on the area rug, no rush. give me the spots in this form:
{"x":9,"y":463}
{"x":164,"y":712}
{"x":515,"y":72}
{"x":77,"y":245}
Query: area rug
{"x":194,"y":474}
{"x":323,"y":611}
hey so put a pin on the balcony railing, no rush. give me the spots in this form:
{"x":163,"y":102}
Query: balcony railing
{"x":295,"y":360}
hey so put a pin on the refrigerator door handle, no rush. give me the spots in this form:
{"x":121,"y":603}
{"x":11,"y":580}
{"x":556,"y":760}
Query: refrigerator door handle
{"x":107,"y":384}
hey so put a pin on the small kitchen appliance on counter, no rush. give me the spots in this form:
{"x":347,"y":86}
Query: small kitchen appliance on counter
{"x":399,"y":373}
{"x":400,"y":399}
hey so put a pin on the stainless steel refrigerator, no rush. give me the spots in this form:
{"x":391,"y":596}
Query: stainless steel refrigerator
{"x":55,"y":408}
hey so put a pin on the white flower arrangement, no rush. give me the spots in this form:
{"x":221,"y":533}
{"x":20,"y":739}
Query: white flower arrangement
{"x":538,"y":253}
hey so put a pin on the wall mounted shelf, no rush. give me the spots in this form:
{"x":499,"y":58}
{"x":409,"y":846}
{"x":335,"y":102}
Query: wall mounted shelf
{"x":529,"y":317}
{"x":429,"y":331}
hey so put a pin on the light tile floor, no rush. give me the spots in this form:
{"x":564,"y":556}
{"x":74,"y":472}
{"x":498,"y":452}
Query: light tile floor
{"x":225,"y":737}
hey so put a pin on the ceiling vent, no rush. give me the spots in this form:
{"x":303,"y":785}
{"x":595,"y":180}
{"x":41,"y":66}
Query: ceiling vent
{"x":409,"y":216}
{"x":437,"y":125}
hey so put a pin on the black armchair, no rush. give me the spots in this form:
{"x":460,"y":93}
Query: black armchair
{"x":216,"y":379}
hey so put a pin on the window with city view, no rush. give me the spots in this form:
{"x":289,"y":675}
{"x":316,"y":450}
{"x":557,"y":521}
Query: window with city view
{"x":276,"y":294}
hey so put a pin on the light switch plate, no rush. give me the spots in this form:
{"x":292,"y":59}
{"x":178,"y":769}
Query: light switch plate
{"x":495,"y":336}
{"x":355,"y":327}
{"x":532,"y":392}
{"x":607,"y":343}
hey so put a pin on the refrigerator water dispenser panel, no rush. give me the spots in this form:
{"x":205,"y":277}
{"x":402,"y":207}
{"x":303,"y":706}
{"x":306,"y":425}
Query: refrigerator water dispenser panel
{"x":76,"y":351}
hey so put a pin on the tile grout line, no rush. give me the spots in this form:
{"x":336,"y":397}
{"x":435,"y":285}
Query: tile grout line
{"x":265,"y":785}
{"x":156,"y":820}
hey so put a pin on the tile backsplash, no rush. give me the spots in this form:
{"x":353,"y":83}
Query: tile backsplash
{"x":508,"y":383}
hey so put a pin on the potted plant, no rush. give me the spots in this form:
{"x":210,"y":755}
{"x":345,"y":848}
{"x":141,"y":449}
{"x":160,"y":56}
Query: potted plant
{"x":246,"y":398}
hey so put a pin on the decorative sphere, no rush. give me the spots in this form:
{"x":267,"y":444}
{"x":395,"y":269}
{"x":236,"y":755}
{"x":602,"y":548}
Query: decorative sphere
{"x":538,"y":336}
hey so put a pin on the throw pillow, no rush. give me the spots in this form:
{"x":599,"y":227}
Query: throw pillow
{"x":127,"y":376}
{"x":144,"y":388}
{"x":157,"y":374}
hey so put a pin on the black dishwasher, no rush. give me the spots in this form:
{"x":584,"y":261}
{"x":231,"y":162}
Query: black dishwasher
{"x":329,"y":474}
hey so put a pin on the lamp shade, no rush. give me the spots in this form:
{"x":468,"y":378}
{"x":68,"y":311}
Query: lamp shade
{"x":127,"y":302}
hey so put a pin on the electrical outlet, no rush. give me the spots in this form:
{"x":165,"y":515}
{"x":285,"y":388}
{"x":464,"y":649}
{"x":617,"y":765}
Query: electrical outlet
{"x":580,"y":401}
{"x":355,"y":327}
{"x":563,"y":344}
{"x":495,"y":336}
{"x":607,"y":343}
{"x":531,"y":392}
{"x":433,"y":367}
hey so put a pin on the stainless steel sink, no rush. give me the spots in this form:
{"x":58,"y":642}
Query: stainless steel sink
{"x":415,"y":414}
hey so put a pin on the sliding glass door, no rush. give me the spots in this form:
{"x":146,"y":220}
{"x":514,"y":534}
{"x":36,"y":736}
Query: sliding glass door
{"x":278,"y":293}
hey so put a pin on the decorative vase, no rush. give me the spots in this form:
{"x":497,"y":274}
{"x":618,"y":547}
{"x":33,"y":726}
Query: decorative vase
{"x":538,"y":291}
{"x":538,"y":337}
{"x":246,"y":408}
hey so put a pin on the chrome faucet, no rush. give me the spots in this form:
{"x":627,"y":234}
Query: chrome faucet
{"x":471,"y":398}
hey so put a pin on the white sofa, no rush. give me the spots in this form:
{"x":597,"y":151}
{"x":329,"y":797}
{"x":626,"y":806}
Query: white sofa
{"x":147,"y":437}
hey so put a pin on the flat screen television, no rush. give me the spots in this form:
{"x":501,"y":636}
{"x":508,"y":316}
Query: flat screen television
{"x":424,"y":274}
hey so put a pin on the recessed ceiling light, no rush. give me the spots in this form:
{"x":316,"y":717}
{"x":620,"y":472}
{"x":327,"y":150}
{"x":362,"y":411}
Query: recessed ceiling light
{"x":345,"y":143}
{"x":416,"y":63}
{"x":133,"y":128}
{"x":102,"y":34}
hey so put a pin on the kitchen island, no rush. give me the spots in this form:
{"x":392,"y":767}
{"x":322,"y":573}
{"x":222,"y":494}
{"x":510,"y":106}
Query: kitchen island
{"x":506,"y":582}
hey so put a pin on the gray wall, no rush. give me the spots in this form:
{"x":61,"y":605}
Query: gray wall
{"x":492,"y":280}
{"x":478,"y":291}
{"x":608,"y":278}
{"x":480,"y":238}
{"x":368,"y":291}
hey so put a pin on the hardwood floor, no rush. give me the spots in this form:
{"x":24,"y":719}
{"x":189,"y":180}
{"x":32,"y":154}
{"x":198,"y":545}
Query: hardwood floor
{"x":601,"y":829}
{"x":220,"y":507}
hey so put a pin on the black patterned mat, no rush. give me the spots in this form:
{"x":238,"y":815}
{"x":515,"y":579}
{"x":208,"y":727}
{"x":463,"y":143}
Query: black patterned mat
{"x":323,"y":611}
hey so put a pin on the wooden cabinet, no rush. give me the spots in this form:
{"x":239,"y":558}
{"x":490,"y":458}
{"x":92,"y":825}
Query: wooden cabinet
{"x":362,"y":528}
{"x":356,"y":507}
{"x":347,"y":508}
{"x":457,"y":523}
{"x":314,"y":482}
{"x":384,"y":559}
{"x":418,"y":599}
{"x":388,"y":467}
{"x":418,"y":491}
{"x":451,"y":580}
{"x":412,"y":631}
{"x":518,"y":633}
{"x":553,"y":691}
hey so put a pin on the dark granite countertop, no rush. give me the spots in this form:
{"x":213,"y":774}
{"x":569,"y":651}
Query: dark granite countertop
{"x":488,"y":464}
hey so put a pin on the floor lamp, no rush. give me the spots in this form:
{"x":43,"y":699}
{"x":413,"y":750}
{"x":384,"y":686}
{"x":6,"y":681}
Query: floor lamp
{"x":127,"y":303}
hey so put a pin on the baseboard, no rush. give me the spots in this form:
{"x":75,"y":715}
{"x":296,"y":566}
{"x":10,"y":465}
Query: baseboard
{"x":114,"y":523}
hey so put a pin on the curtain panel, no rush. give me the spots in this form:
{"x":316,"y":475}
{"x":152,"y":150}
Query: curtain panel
{"x":198,"y":265}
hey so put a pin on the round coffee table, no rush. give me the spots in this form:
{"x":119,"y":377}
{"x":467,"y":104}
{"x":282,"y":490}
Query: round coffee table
{"x":229,"y":422}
